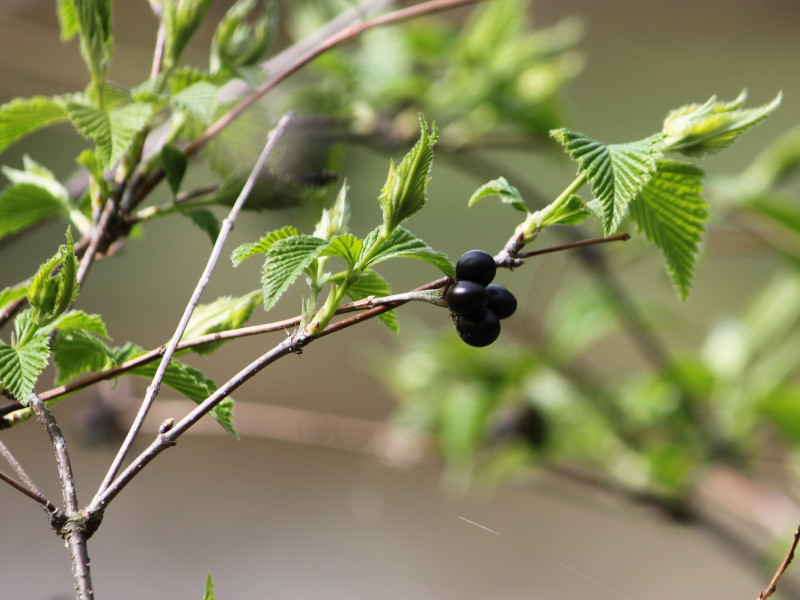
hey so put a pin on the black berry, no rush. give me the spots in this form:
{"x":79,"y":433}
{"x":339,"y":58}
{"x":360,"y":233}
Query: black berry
{"x":501,"y":301}
{"x":466,"y":297}
{"x":477,"y":266}
{"x":479,"y":328}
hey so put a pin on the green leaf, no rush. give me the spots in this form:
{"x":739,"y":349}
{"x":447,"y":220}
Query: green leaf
{"x":701,"y":129}
{"x":199,"y":101}
{"x":616,"y":172}
{"x":223,"y":314}
{"x":245,"y":251}
{"x":174,"y":162}
{"x":209,"y":595}
{"x":403,"y":243}
{"x":238,"y":43}
{"x":76,"y":352}
{"x":500,"y":187}
{"x":91,"y":19}
{"x":672,"y":213}
{"x":55,"y":285}
{"x":286,"y":259}
{"x":369,"y":284}
{"x":112,"y":131}
{"x":12,"y":294}
{"x":77,"y":319}
{"x":334,"y":220}
{"x":24,"y":205}
{"x":345,"y":246}
{"x":181,"y":18}
{"x":404,"y":192}
{"x":21,"y":365}
{"x":205,"y":220}
{"x":22,"y":116}
{"x":571,"y":212}
{"x":67,"y":19}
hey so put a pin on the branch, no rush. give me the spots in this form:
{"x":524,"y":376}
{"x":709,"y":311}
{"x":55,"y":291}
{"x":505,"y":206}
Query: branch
{"x":621,"y":237}
{"x":29,"y":488}
{"x":227,"y":226}
{"x":773,"y":584}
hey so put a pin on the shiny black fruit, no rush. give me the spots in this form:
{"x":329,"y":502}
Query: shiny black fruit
{"x":477,"y":266}
{"x":501,"y":301}
{"x":479,"y":328}
{"x":466,"y":297}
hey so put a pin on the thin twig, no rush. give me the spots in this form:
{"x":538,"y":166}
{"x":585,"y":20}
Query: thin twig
{"x":773,"y":584}
{"x":29,"y":493}
{"x":227,"y":226}
{"x":620,"y":237}
{"x":97,"y":236}
{"x":21,"y":473}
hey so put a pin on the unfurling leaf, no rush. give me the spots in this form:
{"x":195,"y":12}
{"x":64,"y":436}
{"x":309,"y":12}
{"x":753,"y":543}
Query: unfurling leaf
{"x":404,"y":192}
{"x":181,"y":19}
{"x":672,"y":213}
{"x":285,"y":261}
{"x":500,"y":187}
{"x":571,"y":212}
{"x":616,"y":172}
{"x":699,"y":129}
{"x":55,"y":285}
{"x":209,"y":594}
{"x":238,"y":43}
{"x":334,"y":220}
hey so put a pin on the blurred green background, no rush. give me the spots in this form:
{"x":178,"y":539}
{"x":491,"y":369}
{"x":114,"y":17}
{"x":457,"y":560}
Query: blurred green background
{"x":270,"y":518}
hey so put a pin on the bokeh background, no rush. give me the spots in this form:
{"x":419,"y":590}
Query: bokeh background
{"x":271,"y":518}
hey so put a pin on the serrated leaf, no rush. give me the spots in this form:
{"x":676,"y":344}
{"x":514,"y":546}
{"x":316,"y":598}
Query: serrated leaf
{"x":245,"y":251}
{"x":701,"y":129}
{"x":77,"y":319}
{"x":112,"y":131}
{"x":199,"y":100}
{"x":186,"y":77}
{"x":37,"y":177}
{"x":54,"y":286}
{"x":205,"y":220}
{"x":372,"y":284}
{"x":403,"y":243}
{"x":209,"y":593}
{"x":616,"y":172}
{"x":221,"y":315}
{"x":174,"y":162}
{"x":22,"y":116}
{"x":344,"y":246}
{"x":404,"y":192}
{"x":21,"y":366}
{"x":285,"y":261}
{"x":24,"y":205}
{"x":672,"y":213}
{"x":76,"y":352}
{"x":500,"y":187}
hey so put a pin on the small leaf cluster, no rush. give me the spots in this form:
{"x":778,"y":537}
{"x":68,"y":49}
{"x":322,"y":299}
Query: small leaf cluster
{"x":290,"y":254}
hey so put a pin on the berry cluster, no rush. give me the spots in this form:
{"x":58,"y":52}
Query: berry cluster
{"x":477,"y":303}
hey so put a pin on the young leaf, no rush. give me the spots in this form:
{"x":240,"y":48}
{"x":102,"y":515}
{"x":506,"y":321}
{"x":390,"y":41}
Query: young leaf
{"x":24,"y":205}
{"x":22,"y":116}
{"x":571,"y":212}
{"x":285,"y":261}
{"x":237,"y":43}
{"x":21,"y":365}
{"x":616,"y":172}
{"x":245,"y":251}
{"x":91,"y":19}
{"x":209,"y":595}
{"x":181,"y":19}
{"x":55,"y":285}
{"x":221,"y":315}
{"x":500,"y":187}
{"x":76,"y":352}
{"x":372,"y":284}
{"x":12,"y":294}
{"x":345,"y":246}
{"x":199,"y":101}
{"x":672,"y":213}
{"x":205,"y":220}
{"x":334,"y":220}
{"x":404,"y":243}
{"x":700,"y":129}
{"x":112,"y":131}
{"x":77,"y":319}
{"x":174,"y":162}
{"x":404,"y":192}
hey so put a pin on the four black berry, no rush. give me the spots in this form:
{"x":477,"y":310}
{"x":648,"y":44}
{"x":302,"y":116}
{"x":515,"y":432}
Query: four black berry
{"x":476,"y":303}
{"x":501,"y":301}
{"x":466,"y":296}
{"x":479,"y":328}
{"x":477,"y":266}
